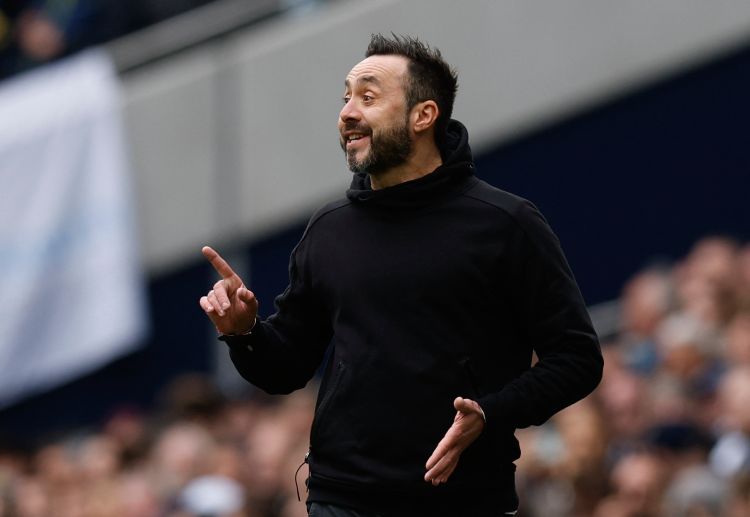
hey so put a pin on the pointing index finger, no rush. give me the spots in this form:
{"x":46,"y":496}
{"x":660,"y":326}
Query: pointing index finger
{"x":219,"y":264}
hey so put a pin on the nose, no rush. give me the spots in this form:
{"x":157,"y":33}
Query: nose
{"x":349,"y":112}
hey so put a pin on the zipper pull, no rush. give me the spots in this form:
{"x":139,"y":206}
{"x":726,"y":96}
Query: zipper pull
{"x":306,"y":460}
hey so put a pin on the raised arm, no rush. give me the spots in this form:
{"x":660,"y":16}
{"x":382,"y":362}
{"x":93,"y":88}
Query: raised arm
{"x":280,"y":354}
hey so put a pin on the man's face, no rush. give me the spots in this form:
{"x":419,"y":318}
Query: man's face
{"x":373,"y":124}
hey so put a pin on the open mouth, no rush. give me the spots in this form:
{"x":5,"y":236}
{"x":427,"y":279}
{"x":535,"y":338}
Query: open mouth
{"x":354,"y":140}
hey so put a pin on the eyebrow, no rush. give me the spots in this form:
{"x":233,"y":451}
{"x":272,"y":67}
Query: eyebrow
{"x":364,"y":79}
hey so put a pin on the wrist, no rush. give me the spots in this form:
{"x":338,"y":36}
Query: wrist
{"x":247,"y":332}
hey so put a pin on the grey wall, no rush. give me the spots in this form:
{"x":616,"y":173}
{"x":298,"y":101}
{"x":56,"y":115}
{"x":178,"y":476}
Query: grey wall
{"x":237,"y":137}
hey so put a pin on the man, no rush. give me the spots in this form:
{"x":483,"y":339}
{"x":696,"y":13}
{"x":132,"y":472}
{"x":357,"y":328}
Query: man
{"x":433,"y":289}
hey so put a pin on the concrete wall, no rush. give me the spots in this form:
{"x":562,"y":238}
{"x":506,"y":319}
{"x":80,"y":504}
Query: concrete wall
{"x":236,"y":138}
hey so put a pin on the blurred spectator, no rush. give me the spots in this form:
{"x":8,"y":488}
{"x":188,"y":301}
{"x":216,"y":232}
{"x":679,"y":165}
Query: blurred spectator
{"x":737,"y":351}
{"x":708,"y":281}
{"x":646,"y":299}
{"x":639,"y":480}
{"x":218,"y":496}
{"x":731,"y":455}
{"x":738,"y":502}
{"x":695,"y":492}
{"x":33,"y":32}
{"x":689,"y":356}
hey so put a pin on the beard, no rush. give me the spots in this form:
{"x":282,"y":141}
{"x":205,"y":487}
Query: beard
{"x":389,"y":148}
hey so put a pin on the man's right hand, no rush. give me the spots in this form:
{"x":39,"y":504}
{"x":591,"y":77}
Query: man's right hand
{"x":230,"y":305}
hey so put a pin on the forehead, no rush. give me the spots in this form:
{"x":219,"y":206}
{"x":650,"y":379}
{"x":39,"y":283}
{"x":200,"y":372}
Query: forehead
{"x":386,"y":71}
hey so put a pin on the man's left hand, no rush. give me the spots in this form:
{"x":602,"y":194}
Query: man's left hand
{"x":467,"y":426}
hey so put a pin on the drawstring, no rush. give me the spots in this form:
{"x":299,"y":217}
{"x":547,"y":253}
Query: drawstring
{"x":296,"y":485}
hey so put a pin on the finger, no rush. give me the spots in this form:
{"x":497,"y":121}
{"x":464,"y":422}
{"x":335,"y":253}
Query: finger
{"x":221,"y":293}
{"x":443,"y":469}
{"x":442,"y":448}
{"x":466,"y":405}
{"x":221,"y":266}
{"x":449,"y":471}
{"x":205,"y":305}
{"x":461,"y":405}
{"x":215,"y":303}
{"x":433,"y":476}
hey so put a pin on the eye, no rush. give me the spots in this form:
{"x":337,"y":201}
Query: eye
{"x":366,"y":98}
{"x":345,"y":99}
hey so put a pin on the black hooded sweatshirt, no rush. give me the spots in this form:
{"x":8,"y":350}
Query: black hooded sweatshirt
{"x":428,"y":290}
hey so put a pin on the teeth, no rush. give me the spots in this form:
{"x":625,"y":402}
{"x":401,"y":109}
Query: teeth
{"x":351,"y":138}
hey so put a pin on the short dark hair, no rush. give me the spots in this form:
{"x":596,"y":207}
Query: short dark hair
{"x":430,"y":77}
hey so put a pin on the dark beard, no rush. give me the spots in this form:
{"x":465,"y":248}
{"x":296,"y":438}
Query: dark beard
{"x":388,"y":148}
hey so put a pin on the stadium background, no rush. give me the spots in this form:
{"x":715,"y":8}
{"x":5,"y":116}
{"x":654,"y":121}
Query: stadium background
{"x":626,"y":123}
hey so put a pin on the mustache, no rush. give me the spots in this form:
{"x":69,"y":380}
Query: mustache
{"x":356,"y":127}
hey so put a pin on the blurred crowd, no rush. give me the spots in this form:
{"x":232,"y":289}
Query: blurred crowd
{"x":199,"y":455}
{"x":34,"y":32}
{"x":666,"y":434}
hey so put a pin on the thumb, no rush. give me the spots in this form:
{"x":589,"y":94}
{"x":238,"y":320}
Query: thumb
{"x":465,"y":405}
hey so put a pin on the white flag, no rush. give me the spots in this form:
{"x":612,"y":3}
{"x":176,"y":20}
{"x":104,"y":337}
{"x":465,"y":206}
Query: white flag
{"x":71,"y":291}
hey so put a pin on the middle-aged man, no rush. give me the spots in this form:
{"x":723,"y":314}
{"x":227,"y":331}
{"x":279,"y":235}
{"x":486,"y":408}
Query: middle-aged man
{"x":432,"y":289}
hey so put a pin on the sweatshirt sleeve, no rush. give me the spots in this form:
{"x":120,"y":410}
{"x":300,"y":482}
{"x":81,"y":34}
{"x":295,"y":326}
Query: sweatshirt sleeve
{"x":555,"y":322}
{"x":283,"y":352}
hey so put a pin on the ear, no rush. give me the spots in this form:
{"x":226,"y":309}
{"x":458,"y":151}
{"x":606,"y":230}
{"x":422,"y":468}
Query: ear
{"x":424,"y":115}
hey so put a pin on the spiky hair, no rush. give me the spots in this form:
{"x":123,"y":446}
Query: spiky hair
{"x":430,"y":77}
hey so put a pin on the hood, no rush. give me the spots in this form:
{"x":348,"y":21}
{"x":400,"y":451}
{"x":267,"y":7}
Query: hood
{"x":456,"y":168}
{"x":455,"y":149}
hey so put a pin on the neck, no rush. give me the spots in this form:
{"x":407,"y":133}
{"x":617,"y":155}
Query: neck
{"x":421,"y":163}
